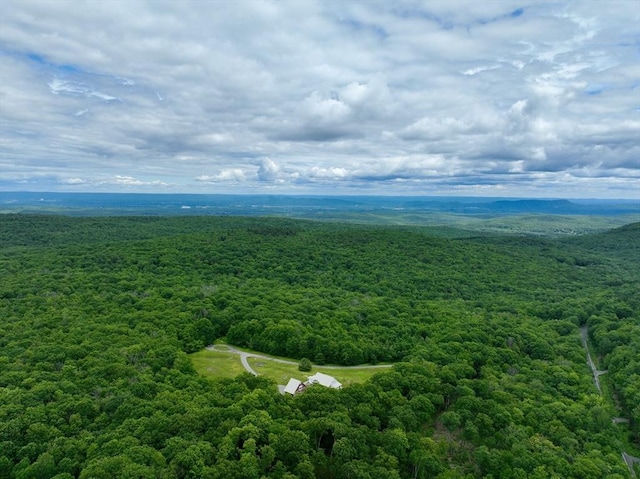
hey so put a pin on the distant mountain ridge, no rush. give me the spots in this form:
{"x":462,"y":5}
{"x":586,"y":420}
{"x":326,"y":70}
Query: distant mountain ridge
{"x":526,"y":206}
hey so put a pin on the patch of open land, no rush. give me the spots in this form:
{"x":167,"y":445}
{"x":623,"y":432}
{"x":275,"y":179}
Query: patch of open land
{"x":225,"y":362}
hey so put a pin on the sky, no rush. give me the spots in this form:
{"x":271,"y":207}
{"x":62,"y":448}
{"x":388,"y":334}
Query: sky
{"x":464,"y":98}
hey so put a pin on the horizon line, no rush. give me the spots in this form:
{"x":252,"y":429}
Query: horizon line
{"x":325,"y":195}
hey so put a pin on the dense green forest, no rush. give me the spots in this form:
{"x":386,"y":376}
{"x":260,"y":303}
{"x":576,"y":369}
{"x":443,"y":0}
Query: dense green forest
{"x":490,"y":377}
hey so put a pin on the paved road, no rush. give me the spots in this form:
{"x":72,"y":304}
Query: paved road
{"x":628,"y":459}
{"x":594,"y":370}
{"x":620,"y":420}
{"x":244,"y":356}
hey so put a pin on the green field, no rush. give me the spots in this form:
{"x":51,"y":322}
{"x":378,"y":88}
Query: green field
{"x":281,"y":373}
{"x":217,"y":364}
{"x":220,"y":364}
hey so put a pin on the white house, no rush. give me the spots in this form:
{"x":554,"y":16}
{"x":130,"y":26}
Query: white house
{"x":295,"y":386}
{"x":324,"y":380}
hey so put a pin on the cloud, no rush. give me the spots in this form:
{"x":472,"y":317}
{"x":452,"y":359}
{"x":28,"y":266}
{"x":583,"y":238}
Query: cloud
{"x":74,"y":181}
{"x":343,"y":112}
{"x":131,"y":181}
{"x":433,"y":128}
{"x":229,"y":174}
{"x":59,"y":86}
{"x":334,"y":173}
{"x":268,"y":170}
{"x":400,"y":97}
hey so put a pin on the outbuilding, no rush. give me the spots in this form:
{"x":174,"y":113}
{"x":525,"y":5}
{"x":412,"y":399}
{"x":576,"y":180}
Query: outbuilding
{"x":294,"y":386}
{"x":324,"y":380}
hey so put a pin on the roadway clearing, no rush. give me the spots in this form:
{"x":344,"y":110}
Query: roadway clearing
{"x":628,"y":459}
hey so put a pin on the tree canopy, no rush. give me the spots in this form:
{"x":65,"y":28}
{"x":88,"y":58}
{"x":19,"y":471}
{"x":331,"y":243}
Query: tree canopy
{"x":99,"y":315}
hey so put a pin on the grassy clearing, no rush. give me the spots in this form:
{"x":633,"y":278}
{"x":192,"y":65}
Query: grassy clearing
{"x":217,"y":364}
{"x":222,"y":364}
{"x":281,"y":373}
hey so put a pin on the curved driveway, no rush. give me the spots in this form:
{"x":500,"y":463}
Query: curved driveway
{"x":225,"y":348}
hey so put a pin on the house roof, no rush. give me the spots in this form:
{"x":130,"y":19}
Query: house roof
{"x":325,"y":380}
{"x":292,"y":386}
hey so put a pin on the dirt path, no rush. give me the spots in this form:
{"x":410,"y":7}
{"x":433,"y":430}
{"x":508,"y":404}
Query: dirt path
{"x":244,"y":356}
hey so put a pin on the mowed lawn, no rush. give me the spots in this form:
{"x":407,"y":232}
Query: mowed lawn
{"x":217,"y":364}
{"x":224,"y":364}
{"x":281,"y":373}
